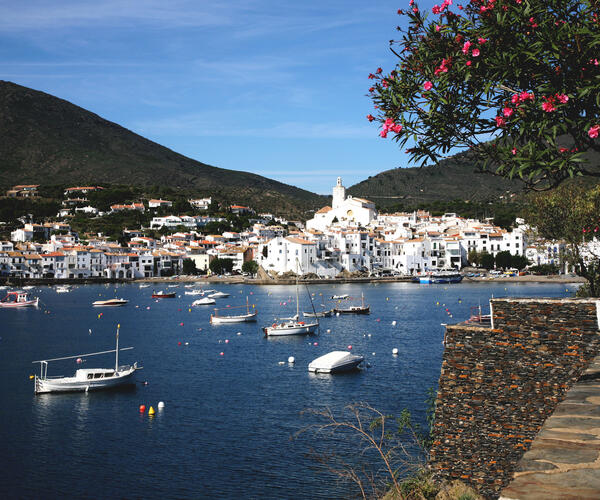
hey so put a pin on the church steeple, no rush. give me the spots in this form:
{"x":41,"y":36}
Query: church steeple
{"x":339,"y":194}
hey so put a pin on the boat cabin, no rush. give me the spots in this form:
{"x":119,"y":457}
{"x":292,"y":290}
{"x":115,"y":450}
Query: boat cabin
{"x":94,"y":373}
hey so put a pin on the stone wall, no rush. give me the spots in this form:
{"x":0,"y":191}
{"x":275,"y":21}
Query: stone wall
{"x":498,"y":385}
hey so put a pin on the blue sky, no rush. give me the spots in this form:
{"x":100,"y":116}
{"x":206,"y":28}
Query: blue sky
{"x":274,"y":88}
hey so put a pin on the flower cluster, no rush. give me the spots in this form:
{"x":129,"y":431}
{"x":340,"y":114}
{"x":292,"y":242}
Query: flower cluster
{"x":437,"y":9}
{"x":443,"y":67}
{"x":390,"y":125}
{"x":549,"y":101}
{"x":594,"y":131}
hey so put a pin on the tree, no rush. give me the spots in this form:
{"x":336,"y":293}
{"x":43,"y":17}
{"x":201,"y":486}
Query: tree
{"x":250,"y":266}
{"x":486,"y":260}
{"x":515,"y":82}
{"x":504,"y":259}
{"x":572,"y":214}
{"x":220,"y":266}
{"x":189,"y":267}
{"x":474,"y":258}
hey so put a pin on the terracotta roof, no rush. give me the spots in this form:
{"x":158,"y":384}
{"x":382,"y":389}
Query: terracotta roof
{"x":324,"y":210}
{"x":300,"y":241}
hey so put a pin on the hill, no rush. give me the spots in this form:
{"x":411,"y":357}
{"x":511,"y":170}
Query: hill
{"x":455,"y":178}
{"x":47,"y":140}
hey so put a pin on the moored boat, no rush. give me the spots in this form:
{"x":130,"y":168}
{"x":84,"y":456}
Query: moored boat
{"x":318,"y":314}
{"x":19,"y":298}
{"x":218,"y":318}
{"x":86,"y":379}
{"x":204,"y":301}
{"x":110,"y":302}
{"x":443,"y":276}
{"x":218,"y":295}
{"x":354,"y":309}
{"x":164,"y":295}
{"x":336,"y":362}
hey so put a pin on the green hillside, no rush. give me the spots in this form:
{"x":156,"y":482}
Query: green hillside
{"x":47,"y":140}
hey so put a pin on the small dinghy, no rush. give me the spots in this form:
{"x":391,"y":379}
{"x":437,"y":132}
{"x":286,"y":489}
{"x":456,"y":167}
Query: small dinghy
{"x":336,"y":362}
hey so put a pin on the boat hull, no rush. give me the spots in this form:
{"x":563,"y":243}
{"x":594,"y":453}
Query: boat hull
{"x":110,"y":303}
{"x":284,"y":329}
{"x":354,"y":310}
{"x":336,"y":362}
{"x":163,"y":295}
{"x":440,"y":279}
{"x":244,"y":318}
{"x":320,"y":314}
{"x":71,"y":384}
{"x":28,"y":303}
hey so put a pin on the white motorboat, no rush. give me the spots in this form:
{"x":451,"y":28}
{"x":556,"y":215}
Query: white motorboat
{"x":28,"y":287}
{"x":340,"y":297}
{"x":62,"y":289}
{"x":336,"y":362}
{"x":19,"y":298}
{"x":110,"y":302}
{"x":86,"y":379}
{"x":205,"y":301}
{"x":218,"y":295}
{"x":291,"y":326}
{"x":144,"y":285}
{"x":193,"y":292}
{"x":218,"y":318}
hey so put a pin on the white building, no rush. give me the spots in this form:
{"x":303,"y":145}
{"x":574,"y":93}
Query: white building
{"x":345,"y":211}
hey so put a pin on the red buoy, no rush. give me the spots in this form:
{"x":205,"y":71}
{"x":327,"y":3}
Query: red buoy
{"x":142,"y":408}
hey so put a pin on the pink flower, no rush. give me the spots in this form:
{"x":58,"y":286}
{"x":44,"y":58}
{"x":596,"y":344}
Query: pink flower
{"x":563,"y":150}
{"x":466,"y":46}
{"x":500,"y":121}
{"x":562,"y":98}
{"x":383,"y":133}
{"x":438,"y":27}
{"x":481,"y":40}
{"x":384,"y":84}
{"x":526,"y":96}
{"x":370,"y":118}
{"x":468,"y":63}
{"x":513,"y":151}
{"x":548,"y":107}
{"x":428,"y":85}
{"x":594,"y":131}
{"x":379,"y":70}
{"x":435,"y":9}
{"x":507,"y":112}
{"x":515,"y":99}
{"x":475,"y":52}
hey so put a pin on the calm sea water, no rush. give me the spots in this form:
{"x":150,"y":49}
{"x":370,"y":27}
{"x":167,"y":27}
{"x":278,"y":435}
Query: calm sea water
{"x":226,"y":429}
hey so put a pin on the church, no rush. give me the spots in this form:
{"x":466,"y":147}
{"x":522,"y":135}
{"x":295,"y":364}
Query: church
{"x":343,"y":212}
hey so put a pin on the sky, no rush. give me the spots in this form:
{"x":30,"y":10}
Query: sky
{"x":275,"y":88}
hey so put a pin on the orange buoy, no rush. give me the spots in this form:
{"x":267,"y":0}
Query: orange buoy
{"x":142,"y":408}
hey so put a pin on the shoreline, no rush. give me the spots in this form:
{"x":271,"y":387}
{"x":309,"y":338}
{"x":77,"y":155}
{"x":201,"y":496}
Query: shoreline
{"x":242,"y":280}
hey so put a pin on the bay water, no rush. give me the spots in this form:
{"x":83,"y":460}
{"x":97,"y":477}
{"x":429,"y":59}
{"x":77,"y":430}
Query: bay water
{"x":233,"y":403}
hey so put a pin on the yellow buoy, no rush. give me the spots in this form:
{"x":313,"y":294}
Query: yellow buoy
{"x":31,"y":377}
{"x":151,"y":411}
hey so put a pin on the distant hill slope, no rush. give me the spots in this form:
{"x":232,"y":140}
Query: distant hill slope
{"x":47,"y":140}
{"x":456,"y":178}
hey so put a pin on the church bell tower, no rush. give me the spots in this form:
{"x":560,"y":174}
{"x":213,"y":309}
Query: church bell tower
{"x":339,"y":194}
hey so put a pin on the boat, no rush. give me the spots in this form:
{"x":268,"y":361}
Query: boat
{"x":19,"y":298}
{"x":110,"y":302}
{"x":28,"y":287}
{"x":318,"y":314}
{"x":62,"y":289}
{"x":193,"y":292}
{"x":86,"y":379}
{"x":291,"y":326}
{"x":443,"y":276}
{"x":144,"y":285}
{"x":218,"y":295}
{"x":217,"y":318}
{"x":163,"y":295}
{"x":336,"y":362}
{"x":204,"y":301}
{"x":340,"y":297}
{"x":361,"y":309}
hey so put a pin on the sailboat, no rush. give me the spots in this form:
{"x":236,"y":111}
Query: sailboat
{"x":218,"y":318}
{"x":86,"y":379}
{"x":291,"y":326}
{"x":361,"y":309}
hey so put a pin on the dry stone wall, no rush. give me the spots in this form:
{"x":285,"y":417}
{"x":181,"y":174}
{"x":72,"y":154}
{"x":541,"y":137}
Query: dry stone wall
{"x":498,"y":385}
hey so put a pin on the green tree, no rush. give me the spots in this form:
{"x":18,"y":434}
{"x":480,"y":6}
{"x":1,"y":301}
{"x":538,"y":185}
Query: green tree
{"x":519,"y":262}
{"x":486,"y":260}
{"x":517,"y":83}
{"x":474,"y":258}
{"x":189,"y":267}
{"x":504,"y":259}
{"x":250,"y":266}
{"x":220,"y":266}
{"x":572,"y":214}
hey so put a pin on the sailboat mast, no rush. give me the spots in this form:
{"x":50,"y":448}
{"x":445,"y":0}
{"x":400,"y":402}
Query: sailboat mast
{"x":297,"y":300}
{"x":117,"y":350}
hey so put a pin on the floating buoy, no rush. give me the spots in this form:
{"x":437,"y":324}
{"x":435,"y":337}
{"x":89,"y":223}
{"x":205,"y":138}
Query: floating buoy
{"x":31,"y":377}
{"x":378,"y":320}
{"x":148,"y":307}
{"x":142,"y":408}
{"x":160,"y":405}
{"x":328,"y":330}
{"x":187,"y":343}
{"x":395,"y":351}
{"x":178,"y":343}
{"x":316,"y":343}
{"x":239,"y":333}
{"x":349,"y":347}
{"x":190,"y":309}
{"x":280,"y":363}
{"x":79,"y":361}
{"x":179,"y":309}
{"x":221,"y":353}
{"x":227,"y":341}
{"x":394,"y":323}
{"x":373,"y":354}
{"x":291,"y":360}
{"x":181,"y":324}
{"x":151,"y":411}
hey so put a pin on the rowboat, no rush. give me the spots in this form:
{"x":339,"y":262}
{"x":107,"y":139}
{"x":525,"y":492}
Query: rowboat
{"x":19,"y":298}
{"x":218,"y":318}
{"x":86,"y":379}
{"x":335,"y":362}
